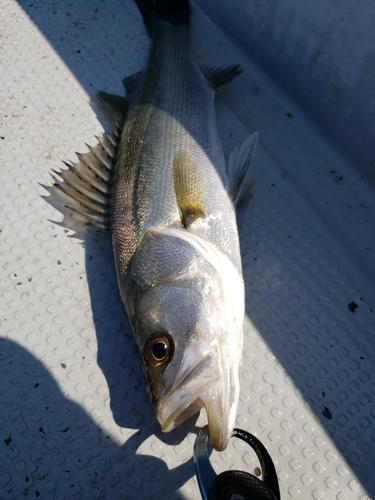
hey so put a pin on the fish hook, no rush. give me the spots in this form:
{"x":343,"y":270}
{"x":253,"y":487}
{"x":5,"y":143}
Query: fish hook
{"x":235,"y":484}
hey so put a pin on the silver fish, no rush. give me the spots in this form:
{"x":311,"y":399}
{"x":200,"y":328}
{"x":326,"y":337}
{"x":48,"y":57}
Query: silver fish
{"x":170,"y":208}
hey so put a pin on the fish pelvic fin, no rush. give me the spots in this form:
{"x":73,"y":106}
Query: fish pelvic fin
{"x":217,"y":77}
{"x":189,"y":188}
{"x":238,"y":170}
{"x":87,"y":184}
{"x":176,"y":12}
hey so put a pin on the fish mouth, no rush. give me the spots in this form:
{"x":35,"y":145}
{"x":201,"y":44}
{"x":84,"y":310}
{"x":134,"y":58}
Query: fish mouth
{"x":195,"y":388}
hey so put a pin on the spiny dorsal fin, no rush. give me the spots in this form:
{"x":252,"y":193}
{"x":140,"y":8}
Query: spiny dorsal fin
{"x":217,"y":77}
{"x":117,"y":104}
{"x":100,"y":221}
{"x":240,"y":182}
{"x":107,"y":144}
{"x":88,"y":182}
{"x":189,"y":188}
{"x":82,"y":199}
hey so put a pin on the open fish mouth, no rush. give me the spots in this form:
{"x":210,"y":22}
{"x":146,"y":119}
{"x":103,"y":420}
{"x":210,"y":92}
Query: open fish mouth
{"x":193,"y":389}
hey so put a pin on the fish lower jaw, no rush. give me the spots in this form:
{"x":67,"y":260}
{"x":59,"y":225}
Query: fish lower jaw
{"x":220,"y":423}
{"x":201,"y":389}
{"x":176,"y":420}
{"x":185,"y":398}
{"x":221,"y":417}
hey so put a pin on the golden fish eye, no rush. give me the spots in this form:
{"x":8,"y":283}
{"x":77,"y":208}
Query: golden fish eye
{"x":158,"y":349}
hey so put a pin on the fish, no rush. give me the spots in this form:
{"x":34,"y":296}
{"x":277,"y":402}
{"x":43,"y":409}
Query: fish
{"x":159,"y":183}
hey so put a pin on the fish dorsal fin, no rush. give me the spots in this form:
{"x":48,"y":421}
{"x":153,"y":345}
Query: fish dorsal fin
{"x":130,"y":82}
{"x":217,"y":77}
{"x":240,"y":181}
{"x":117,"y":104}
{"x":189,"y":188}
{"x":87,"y":184}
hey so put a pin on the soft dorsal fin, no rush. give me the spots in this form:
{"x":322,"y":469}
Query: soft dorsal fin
{"x":240,"y":182}
{"x":217,"y":77}
{"x":130,"y":82}
{"x":189,"y":188}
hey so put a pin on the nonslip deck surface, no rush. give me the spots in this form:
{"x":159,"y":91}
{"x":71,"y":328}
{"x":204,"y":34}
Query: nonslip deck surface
{"x":75,"y":420}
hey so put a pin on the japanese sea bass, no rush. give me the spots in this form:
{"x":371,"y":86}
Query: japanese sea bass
{"x":171,"y":212}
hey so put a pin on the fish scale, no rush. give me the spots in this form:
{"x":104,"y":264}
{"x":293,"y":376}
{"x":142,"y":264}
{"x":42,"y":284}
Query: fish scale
{"x":171,"y":213}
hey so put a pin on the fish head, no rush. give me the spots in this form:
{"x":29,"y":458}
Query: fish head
{"x":187,"y":320}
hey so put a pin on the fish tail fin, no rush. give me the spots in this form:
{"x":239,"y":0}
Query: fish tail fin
{"x":176,"y":12}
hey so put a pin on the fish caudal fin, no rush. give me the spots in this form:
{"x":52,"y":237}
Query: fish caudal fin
{"x":238,"y":171}
{"x":176,"y":12}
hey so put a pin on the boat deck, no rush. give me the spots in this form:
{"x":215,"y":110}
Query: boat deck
{"x":75,"y":420}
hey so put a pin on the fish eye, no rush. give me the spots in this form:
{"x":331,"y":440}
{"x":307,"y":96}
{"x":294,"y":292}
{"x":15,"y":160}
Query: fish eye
{"x":158,"y":349}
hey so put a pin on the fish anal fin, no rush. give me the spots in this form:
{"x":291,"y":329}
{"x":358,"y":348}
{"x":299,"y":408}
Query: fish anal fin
{"x":217,"y":77}
{"x":239,"y":173}
{"x":189,"y":188}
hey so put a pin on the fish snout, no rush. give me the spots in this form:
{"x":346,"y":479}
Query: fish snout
{"x":200,"y":383}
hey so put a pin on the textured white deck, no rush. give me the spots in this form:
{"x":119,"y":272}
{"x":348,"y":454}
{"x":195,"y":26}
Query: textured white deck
{"x":75,"y":421}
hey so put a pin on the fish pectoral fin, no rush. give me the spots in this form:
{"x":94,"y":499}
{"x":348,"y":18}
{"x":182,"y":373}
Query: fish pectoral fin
{"x":130,"y":82}
{"x":189,"y":188}
{"x":117,"y":104}
{"x":217,"y":77}
{"x":238,"y":171}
